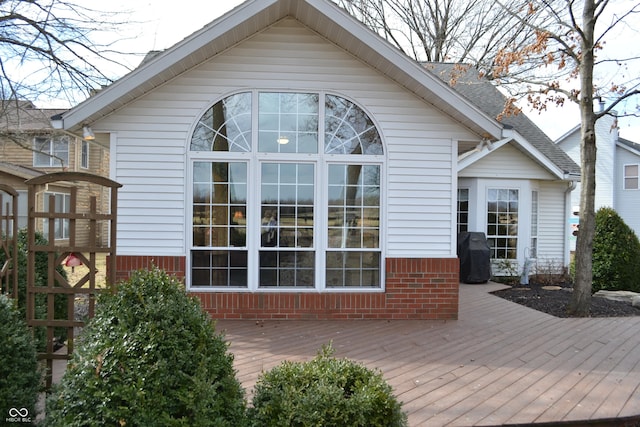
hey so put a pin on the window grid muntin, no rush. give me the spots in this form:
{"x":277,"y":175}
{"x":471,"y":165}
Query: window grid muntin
{"x":48,"y":151}
{"x":463,"y":210}
{"x":502,"y":222}
{"x":533,"y":250}
{"x":287,"y":122}
{"x":321,"y":162}
{"x":219,"y":225}
{"x":62,"y":204}
{"x":229,"y":122}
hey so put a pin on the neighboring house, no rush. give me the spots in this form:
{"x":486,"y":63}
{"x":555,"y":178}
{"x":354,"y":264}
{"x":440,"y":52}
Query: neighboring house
{"x":30,"y":147}
{"x":617,"y":171}
{"x":289,"y":163}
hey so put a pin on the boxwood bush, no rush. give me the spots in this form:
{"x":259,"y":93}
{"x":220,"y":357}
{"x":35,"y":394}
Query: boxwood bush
{"x":616,"y":254}
{"x":20,"y":376}
{"x":149,"y":357}
{"x":324,"y":392}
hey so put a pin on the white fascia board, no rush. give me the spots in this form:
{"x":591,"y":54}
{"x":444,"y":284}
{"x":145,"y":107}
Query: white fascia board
{"x":509,"y":136}
{"x":126,"y":85}
{"x":629,"y":149}
{"x":437,"y":88}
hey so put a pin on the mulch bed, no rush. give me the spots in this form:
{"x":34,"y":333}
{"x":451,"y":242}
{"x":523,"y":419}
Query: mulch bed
{"x":556,"y":301}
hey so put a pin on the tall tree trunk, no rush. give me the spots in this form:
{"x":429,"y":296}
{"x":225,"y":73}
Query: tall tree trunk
{"x":581,"y":300}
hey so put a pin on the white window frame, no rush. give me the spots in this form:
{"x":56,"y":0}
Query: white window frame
{"x":625,"y":177}
{"x":254,"y":159}
{"x":53,"y":159}
{"x":66,"y":208}
{"x":84,"y":154}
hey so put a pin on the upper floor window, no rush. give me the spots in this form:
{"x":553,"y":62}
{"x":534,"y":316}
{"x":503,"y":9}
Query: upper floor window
{"x":51,"y":151}
{"x":631,"y":177}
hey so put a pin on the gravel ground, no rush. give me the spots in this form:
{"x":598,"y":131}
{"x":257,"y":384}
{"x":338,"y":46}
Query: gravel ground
{"x":555,"y":302}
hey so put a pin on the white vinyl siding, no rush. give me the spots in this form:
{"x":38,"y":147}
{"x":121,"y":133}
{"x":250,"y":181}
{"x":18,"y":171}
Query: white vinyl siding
{"x":627,"y":201}
{"x":506,"y":162}
{"x":551,"y":221}
{"x":153,"y":134}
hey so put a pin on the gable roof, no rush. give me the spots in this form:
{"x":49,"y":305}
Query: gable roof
{"x":466,"y":81}
{"x":19,"y":171}
{"x":253,"y":16}
{"x":631,"y":146}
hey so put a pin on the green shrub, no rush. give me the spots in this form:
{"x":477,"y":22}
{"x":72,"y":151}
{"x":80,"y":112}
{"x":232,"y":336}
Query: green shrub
{"x":19,"y":374}
{"x":324,"y":392}
{"x":616,"y":254}
{"x":149,"y":357}
{"x":41,"y":274}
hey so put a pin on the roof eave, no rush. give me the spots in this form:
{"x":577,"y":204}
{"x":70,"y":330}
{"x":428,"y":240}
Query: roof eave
{"x":251,"y":17}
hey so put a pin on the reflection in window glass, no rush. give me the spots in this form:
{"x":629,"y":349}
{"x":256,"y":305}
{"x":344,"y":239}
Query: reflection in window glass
{"x":289,"y":147}
{"x":287,"y":209}
{"x":353,"y":223}
{"x":502,"y":223}
{"x":463,"y":210}
{"x":225,"y":127}
{"x":219,"y":221}
{"x":348,"y":129}
{"x":288,"y":123}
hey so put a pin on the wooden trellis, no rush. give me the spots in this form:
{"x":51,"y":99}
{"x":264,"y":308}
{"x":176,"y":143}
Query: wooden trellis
{"x":55,"y":286}
{"x":8,"y":241}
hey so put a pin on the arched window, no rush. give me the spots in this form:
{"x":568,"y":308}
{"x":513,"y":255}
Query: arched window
{"x":286,"y":194}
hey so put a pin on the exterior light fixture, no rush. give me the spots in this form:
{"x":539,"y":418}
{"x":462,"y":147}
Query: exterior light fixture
{"x":283,"y":140}
{"x":87,"y":133}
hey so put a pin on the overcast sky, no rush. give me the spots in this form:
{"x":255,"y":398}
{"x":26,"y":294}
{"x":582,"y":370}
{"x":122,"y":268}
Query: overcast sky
{"x":159,"y":27}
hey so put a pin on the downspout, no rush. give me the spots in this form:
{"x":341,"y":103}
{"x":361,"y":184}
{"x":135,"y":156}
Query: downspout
{"x":567,"y":211}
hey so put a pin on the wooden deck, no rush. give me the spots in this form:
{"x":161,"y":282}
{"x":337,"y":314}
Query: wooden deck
{"x":500,"y":363}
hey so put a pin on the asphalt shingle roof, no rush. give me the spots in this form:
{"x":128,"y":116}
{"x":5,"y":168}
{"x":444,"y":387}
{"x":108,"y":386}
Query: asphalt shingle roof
{"x":484,"y":95}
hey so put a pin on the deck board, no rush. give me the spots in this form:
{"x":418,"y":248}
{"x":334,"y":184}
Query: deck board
{"x":499,"y":363}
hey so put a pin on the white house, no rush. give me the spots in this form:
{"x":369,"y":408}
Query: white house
{"x":617,"y":171}
{"x":289,"y":163}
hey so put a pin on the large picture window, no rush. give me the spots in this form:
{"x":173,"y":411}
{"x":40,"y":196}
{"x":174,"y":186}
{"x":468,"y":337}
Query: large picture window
{"x":286,"y":194}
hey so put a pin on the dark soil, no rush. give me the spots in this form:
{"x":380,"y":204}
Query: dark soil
{"x":556,"y":302}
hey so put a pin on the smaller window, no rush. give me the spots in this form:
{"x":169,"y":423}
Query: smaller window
{"x":84,"y":160}
{"x":631,"y":175}
{"x":51,"y":152}
{"x":533,"y":250}
{"x":463,"y":210}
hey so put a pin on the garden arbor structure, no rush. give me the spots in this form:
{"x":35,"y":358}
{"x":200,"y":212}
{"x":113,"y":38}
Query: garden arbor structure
{"x":84,"y":213}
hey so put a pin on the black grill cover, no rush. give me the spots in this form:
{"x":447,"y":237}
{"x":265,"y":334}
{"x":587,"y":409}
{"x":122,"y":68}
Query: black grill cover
{"x":474,"y":254}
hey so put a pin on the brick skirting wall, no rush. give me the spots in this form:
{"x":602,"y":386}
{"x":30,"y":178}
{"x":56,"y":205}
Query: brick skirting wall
{"x":416,"y":288}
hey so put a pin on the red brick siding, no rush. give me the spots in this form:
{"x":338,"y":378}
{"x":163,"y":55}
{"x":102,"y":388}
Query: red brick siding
{"x":416,"y":288}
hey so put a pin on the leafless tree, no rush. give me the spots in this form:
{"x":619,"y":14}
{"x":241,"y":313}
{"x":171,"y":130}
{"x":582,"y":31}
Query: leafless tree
{"x":52,"y":50}
{"x":576,"y":57}
{"x":465,"y":31}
